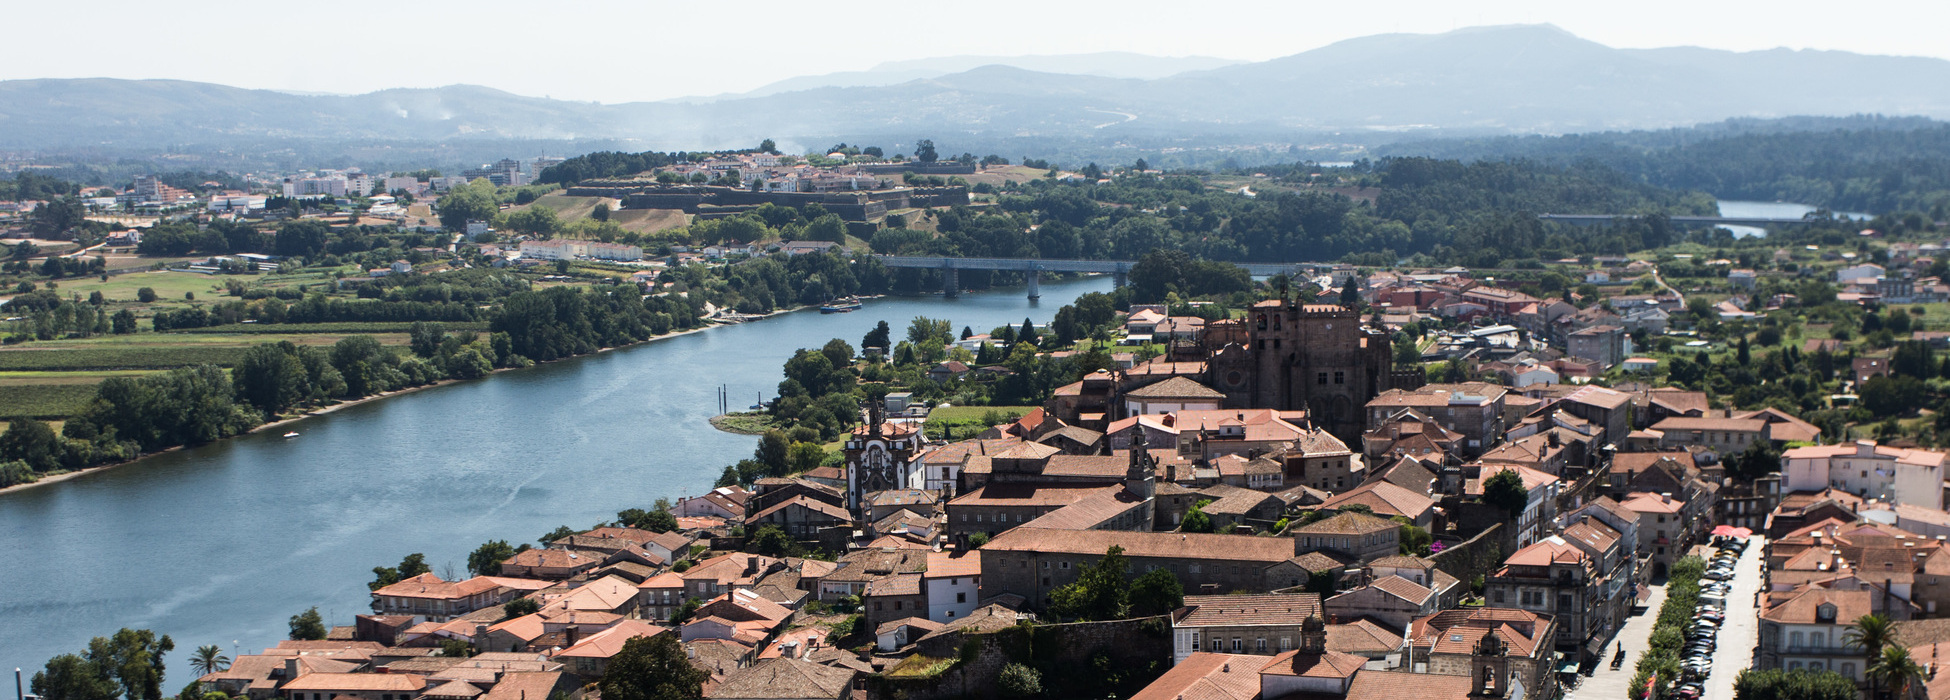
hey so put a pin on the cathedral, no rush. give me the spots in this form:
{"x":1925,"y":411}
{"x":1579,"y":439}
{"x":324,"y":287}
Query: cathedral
{"x":1314,"y":357}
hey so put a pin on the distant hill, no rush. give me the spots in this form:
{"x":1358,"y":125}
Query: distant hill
{"x":1490,"y":80}
{"x":1109,"y":64}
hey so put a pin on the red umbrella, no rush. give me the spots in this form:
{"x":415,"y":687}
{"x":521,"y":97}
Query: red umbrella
{"x":1725,"y":531}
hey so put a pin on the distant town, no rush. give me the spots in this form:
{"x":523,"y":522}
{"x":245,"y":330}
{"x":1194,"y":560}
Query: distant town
{"x":1691,"y":466}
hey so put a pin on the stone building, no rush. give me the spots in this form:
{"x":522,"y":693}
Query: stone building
{"x":1032,"y":562}
{"x":1260,"y":624}
{"x":1290,"y":356}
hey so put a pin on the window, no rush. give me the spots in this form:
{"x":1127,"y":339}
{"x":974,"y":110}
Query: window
{"x":1259,"y":646}
{"x":1195,"y":640}
{"x":1340,"y":377}
{"x":1276,"y":343}
{"x":1563,"y":601}
{"x":1238,"y":645}
{"x":1066,"y":566}
{"x":1321,"y":378}
{"x":1286,"y":643}
{"x":1498,"y":594}
{"x":1215,"y":646}
{"x":1795,"y":640}
{"x":1817,"y":639}
{"x":1848,"y":669}
{"x":1794,"y":665}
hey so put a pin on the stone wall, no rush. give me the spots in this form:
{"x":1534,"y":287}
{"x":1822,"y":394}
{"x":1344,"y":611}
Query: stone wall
{"x":1081,"y":659}
{"x":1477,"y":556}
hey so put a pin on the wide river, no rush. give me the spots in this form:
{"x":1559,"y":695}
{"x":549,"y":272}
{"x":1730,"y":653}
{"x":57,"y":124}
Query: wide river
{"x":222,"y":543}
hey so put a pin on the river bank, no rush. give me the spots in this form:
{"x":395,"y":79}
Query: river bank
{"x":325,"y":410}
{"x":432,"y":472}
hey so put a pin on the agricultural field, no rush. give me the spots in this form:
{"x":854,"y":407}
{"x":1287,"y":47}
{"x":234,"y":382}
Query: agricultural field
{"x":46,"y":394}
{"x":169,"y":285}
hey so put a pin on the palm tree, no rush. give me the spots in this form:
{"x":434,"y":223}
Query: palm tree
{"x":1871,"y":632}
{"x":209,"y":659}
{"x":1896,"y":668}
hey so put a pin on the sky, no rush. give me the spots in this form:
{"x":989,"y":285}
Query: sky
{"x":622,"y":51}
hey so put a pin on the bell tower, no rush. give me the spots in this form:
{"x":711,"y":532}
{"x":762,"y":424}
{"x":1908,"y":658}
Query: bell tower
{"x":1489,"y":667}
{"x":878,"y":458}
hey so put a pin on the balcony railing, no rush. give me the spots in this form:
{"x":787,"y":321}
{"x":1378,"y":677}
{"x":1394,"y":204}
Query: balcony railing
{"x":1792,"y":650}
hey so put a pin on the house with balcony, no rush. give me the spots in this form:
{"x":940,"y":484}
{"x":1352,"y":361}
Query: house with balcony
{"x":1805,"y":628}
{"x":1556,"y":578}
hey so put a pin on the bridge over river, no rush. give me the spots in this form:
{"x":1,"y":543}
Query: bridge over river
{"x":1032,"y":268}
{"x":1600,"y":219}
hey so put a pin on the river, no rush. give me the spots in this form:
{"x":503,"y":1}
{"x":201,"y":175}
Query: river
{"x":1768,"y":210}
{"x":222,"y":543}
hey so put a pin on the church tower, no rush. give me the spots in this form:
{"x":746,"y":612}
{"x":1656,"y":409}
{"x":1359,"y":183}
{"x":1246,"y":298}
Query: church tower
{"x":879,"y":456}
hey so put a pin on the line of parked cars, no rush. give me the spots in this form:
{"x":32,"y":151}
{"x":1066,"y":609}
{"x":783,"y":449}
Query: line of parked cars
{"x":1696,"y":660}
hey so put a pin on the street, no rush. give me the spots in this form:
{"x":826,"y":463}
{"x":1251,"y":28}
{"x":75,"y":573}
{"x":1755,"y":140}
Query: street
{"x":1607,"y":684}
{"x":1742,"y":630}
{"x":1736,"y":639}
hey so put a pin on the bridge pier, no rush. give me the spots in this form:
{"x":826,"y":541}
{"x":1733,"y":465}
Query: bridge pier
{"x":950,"y":281}
{"x":1120,"y":278}
{"x":1035,"y":284}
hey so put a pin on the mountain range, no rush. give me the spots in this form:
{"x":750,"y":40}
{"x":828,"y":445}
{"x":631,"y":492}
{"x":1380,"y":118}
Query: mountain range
{"x":1488,"y":80}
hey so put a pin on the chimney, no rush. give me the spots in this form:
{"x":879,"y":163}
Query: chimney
{"x":1666,"y":497}
{"x":789,"y":650}
{"x":290,"y":667}
{"x":574,"y":634}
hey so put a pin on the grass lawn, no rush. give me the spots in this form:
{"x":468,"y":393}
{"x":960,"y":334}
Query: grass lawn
{"x":650,"y":220}
{"x":169,"y":286}
{"x":975,"y":413}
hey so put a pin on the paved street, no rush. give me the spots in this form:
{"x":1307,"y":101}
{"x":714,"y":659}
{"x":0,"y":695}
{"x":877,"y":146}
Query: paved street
{"x":1736,"y":640}
{"x":1742,"y":632}
{"x":1607,"y":684}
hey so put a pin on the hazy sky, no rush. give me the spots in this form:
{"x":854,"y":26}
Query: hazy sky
{"x":647,"y":49}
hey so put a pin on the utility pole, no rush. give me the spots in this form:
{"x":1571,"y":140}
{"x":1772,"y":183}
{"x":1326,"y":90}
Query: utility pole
{"x":20,"y":691}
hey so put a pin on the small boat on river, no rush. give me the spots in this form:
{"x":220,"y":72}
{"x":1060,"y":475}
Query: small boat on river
{"x":841,"y":306}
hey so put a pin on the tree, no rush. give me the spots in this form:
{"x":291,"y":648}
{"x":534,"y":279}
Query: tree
{"x":767,"y":146}
{"x":1895,"y":669}
{"x":1027,"y":334}
{"x":145,"y":295}
{"x":1505,"y":490}
{"x":652,"y":668}
{"x":1019,"y":681}
{"x":301,"y":237}
{"x":519,"y":607}
{"x":880,"y":337}
{"x":1196,"y":520}
{"x":924,"y":151}
{"x":601,"y":212}
{"x":486,"y":559}
{"x":559,"y":532}
{"x":456,"y":649}
{"x":1783,"y":684}
{"x":1101,"y":591}
{"x":474,"y":201}
{"x":1351,"y":292}
{"x":72,"y":677}
{"x":209,"y":659}
{"x":308,"y":625}
{"x":654,"y":520}
{"x":1157,"y":592}
{"x":124,"y":322}
{"x":33,"y":442}
{"x":1871,"y":633}
{"x":771,"y":541}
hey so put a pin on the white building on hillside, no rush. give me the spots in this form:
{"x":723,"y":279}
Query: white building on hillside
{"x":1892,"y":474}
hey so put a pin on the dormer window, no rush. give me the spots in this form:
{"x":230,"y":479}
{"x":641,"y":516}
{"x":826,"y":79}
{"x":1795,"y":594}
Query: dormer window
{"x":1825,"y":612}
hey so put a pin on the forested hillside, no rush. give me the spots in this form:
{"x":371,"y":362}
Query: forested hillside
{"x":1867,"y":164}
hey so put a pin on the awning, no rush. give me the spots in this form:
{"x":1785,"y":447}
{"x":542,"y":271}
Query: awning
{"x":1644,"y":593}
